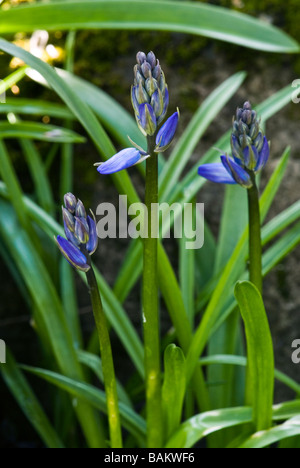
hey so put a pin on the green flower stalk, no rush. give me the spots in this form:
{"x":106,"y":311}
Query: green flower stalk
{"x":150,"y":100}
{"x":81,"y":243}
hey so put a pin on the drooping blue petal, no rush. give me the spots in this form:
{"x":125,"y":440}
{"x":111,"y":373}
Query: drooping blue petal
{"x":74,"y":256}
{"x":263,"y":156}
{"x":92,"y":244}
{"x":237,"y":172}
{"x":166,"y":133}
{"x":122,"y":160}
{"x":216,"y":172}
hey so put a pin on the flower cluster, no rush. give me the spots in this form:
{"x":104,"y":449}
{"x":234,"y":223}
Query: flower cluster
{"x":150,"y":100}
{"x":250,"y":152}
{"x":81,"y":233}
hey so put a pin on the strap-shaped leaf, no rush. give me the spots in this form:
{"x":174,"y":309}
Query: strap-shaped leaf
{"x":186,"y":17}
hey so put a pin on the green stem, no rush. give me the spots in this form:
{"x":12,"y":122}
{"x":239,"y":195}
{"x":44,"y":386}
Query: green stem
{"x":255,"y":248}
{"x":255,"y":260}
{"x":107,"y":363}
{"x":151,"y":310}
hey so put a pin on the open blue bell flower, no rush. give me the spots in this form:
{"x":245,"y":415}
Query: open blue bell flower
{"x":167,"y":132}
{"x":122,"y":160}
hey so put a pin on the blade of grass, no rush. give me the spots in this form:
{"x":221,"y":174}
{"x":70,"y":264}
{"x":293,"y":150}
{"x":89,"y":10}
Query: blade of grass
{"x":134,"y":423}
{"x":260,"y":391}
{"x":207,"y":20}
{"x":28,"y":402}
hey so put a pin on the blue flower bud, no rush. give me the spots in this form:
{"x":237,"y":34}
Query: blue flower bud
{"x":157,"y":103}
{"x":151,"y":85}
{"x":80,"y":210}
{"x":147,"y":119}
{"x":141,"y":94}
{"x":141,"y":57}
{"x":70,"y":202}
{"x":74,"y":256}
{"x":146,"y":69}
{"x":81,"y":230}
{"x":68,"y":219}
{"x":151,"y":59}
{"x":237,"y":172}
{"x":92,"y":243}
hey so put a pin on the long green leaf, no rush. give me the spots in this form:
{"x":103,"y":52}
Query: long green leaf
{"x":187,"y":17}
{"x":39,"y":131}
{"x":48,"y":307}
{"x":262,"y":439}
{"x":24,"y":106}
{"x":173,"y":389}
{"x":193,"y":430}
{"x":242,"y":361}
{"x":28,"y":402}
{"x":94,"y":362}
{"x":260,"y":353}
{"x":134,"y":423}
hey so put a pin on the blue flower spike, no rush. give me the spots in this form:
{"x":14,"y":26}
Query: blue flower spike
{"x":250,"y":152}
{"x":150,"y":101}
{"x":81,"y":234}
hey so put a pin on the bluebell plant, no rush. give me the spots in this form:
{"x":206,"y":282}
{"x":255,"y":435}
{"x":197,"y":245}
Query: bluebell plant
{"x":80,"y":243}
{"x":150,"y":101}
{"x":250,"y":152}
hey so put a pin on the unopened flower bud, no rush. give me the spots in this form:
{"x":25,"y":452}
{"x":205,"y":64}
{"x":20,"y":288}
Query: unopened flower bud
{"x":80,"y":210}
{"x":70,"y":202}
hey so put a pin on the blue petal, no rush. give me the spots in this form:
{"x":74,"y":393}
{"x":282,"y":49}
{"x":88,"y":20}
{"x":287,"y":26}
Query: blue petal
{"x":122,"y":160}
{"x":216,"y":172}
{"x":74,"y":256}
{"x":92,"y":244}
{"x":263,"y":156}
{"x":237,"y":172}
{"x":167,"y":131}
